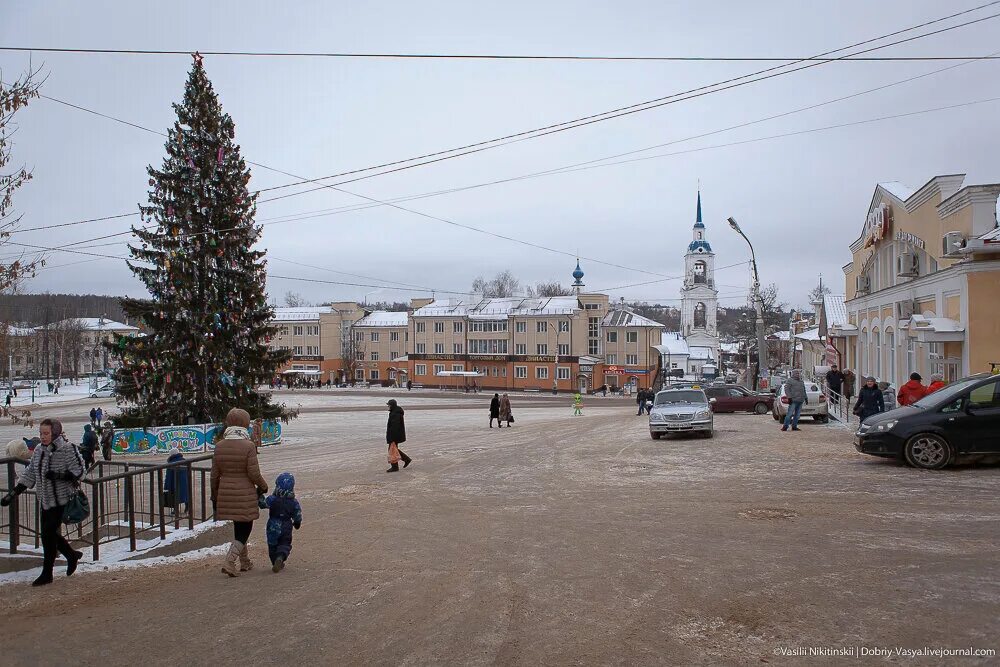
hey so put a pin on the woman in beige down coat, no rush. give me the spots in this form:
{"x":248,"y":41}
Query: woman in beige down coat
{"x":236,"y":484}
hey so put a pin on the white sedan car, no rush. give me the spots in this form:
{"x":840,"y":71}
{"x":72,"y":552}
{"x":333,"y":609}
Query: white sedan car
{"x":816,"y":408}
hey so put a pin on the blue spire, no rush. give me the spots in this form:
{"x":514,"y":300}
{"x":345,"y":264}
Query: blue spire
{"x":698,"y":222}
{"x":578,"y":275}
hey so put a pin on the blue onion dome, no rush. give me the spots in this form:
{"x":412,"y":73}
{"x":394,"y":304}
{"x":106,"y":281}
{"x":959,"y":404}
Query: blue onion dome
{"x":699,"y":246}
{"x":578,"y":273}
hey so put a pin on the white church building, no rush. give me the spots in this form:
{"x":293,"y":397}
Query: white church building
{"x":695,"y":349}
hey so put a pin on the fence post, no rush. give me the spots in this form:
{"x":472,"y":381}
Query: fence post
{"x":130,"y":504}
{"x":204,"y":508}
{"x":189,"y":483}
{"x":13,"y":508}
{"x":152,"y":499}
{"x":163,"y":525}
{"x":98,"y":504}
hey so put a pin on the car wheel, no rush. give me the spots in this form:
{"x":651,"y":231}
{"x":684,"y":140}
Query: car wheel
{"x":928,"y":451}
{"x":655,"y":436}
{"x":760,"y":408}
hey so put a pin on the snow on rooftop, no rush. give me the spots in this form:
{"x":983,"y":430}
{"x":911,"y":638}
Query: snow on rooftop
{"x":729,"y":348}
{"x":622,"y":317}
{"x":383,"y":318}
{"x":300,"y":314}
{"x":992,"y":236}
{"x":499,"y":308}
{"x":809,"y":334}
{"x":836,"y":310}
{"x":900,"y":191}
{"x":936,"y":324}
{"x":672,"y":343}
{"x":96,"y":324}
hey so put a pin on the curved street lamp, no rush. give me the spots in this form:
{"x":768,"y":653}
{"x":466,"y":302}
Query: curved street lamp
{"x":758,"y":304}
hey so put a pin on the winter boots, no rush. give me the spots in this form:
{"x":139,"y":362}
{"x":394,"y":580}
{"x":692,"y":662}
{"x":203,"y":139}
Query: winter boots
{"x":245,"y":563}
{"x":279,"y":564}
{"x":232,"y":564}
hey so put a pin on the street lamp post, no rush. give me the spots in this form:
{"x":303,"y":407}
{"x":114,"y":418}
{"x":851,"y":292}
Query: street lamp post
{"x":758,"y":304}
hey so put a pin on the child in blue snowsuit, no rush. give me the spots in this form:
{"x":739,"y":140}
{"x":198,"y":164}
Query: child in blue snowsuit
{"x":284,"y":514}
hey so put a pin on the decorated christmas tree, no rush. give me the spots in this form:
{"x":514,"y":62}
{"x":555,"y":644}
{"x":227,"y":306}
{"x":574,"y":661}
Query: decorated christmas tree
{"x":207,"y":323}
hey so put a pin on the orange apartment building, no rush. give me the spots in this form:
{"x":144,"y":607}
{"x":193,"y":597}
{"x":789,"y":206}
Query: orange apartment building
{"x":318,"y":337}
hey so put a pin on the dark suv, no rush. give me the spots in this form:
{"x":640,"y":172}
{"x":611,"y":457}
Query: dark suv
{"x":962,"y":419}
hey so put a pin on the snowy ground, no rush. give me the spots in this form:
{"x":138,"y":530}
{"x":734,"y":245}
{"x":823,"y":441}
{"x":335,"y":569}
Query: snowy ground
{"x":564,"y":540}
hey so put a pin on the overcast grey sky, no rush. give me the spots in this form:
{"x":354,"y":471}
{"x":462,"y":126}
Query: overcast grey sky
{"x":801,"y":199}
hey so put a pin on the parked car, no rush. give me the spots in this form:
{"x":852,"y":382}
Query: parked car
{"x":734,"y":398}
{"x":816,"y":408}
{"x":962,"y":419}
{"x":105,"y":391}
{"x":681,"y":411}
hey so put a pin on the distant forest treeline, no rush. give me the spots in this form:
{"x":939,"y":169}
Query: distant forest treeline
{"x":39,"y":309}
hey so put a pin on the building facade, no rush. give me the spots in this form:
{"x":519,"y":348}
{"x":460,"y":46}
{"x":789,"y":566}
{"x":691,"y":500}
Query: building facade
{"x":68,"y":348}
{"x":319,"y":338}
{"x":921,"y":289}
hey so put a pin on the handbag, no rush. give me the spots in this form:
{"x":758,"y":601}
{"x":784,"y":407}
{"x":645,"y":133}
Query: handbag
{"x":77,"y":509}
{"x":510,"y":418}
{"x":394,"y":456}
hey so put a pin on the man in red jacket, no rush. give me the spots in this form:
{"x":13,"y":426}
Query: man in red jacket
{"x":912,"y":391}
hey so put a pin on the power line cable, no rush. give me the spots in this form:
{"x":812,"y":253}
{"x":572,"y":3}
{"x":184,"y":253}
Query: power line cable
{"x":470,"y":56}
{"x":635,"y":108}
{"x":306,"y":181}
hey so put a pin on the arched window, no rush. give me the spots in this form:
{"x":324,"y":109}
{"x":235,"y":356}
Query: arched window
{"x":699,"y":236}
{"x":700,"y":273}
{"x":699,"y":316}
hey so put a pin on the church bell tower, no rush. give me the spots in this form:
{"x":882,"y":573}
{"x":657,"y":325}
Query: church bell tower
{"x":699,"y":297}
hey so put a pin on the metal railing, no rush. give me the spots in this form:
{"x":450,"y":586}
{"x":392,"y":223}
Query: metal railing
{"x":840,"y":408}
{"x":127,"y":500}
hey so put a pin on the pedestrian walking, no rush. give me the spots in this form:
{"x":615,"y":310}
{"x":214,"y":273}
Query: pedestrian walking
{"x":284,"y":514}
{"x":505,"y":413}
{"x":88,"y":446}
{"x":795,"y":390}
{"x":236,"y":484}
{"x":888,"y":395}
{"x":849,"y":381}
{"x":8,"y":400}
{"x":55,"y":469}
{"x":577,"y":404}
{"x":395,"y":435}
{"x":176,"y":485}
{"x":107,"y":439}
{"x":409,"y":385}
{"x":937,"y":382}
{"x":495,"y":410}
{"x":912,"y":391}
{"x":100,"y":416}
{"x":93,"y":416}
{"x":640,"y":399}
{"x":835,"y":382}
{"x":870,"y":401}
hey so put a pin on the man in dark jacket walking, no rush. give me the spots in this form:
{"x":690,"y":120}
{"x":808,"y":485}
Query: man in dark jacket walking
{"x":640,"y":398}
{"x":835,"y":381}
{"x":495,"y":411}
{"x":395,"y":434}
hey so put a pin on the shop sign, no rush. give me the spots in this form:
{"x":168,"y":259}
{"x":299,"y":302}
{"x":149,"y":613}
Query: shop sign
{"x":878,"y":224}
{"x":587,"y":368}
{"x":914,"y":241}
{"x":487,"y":357}
{"x":307,"y":357}
{"x":620,"y":370}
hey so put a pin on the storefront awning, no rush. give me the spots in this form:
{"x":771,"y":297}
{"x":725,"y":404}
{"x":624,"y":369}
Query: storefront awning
{"x":301,"y":371}
{"x":936,"y":329}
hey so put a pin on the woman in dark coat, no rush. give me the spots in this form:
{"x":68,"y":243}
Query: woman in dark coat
{"x":495,"y":411}
{"x":870,"y":401}
{"x":395,"y":434}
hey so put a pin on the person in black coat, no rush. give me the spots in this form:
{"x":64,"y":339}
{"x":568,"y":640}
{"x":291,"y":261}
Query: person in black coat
{"x":640,"y":398}
{"x":495,"y":411}
{"x":395,"y":432}
{"x":870,"y":401}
